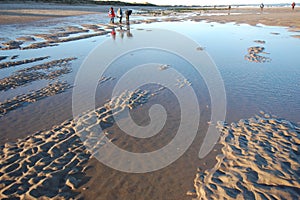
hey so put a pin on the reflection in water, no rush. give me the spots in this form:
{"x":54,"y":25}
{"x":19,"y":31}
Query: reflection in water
{"x":121,"y":32}
{"x":129,"y":34}
{"x":250,"y":86}
{"x":113,"y":33}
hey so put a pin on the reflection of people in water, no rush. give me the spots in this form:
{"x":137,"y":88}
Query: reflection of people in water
{"x":113,"y":33}
{"x":121,"y":32}
{"x":128,"y":33}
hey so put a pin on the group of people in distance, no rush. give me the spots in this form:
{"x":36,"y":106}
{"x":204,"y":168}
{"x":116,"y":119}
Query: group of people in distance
{"x":112,"y":15}
{"x":262,"y":6}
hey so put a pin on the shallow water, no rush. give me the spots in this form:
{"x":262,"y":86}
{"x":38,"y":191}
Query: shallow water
{"x":250,"y":87}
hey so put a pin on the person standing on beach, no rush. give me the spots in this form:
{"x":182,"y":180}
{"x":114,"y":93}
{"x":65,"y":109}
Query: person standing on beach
{"x":262,"y":6}
{"x":127,"y":14}
{"x":120,"y":15}
{"x":112,"y":15}
{"x":293,"y":5}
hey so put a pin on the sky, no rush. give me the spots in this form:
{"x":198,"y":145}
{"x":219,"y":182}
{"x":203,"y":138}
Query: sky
{"x":209,"y":2}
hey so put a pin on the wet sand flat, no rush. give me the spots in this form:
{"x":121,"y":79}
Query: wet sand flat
{"x":30,"y":15}
{"x":269,"y":16}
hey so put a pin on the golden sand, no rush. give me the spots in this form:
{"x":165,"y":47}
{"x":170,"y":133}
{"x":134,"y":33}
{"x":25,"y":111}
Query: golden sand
{"x":259,"y":160}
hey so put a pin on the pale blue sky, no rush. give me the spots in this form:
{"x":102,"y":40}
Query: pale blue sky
{"x":209,"y":2}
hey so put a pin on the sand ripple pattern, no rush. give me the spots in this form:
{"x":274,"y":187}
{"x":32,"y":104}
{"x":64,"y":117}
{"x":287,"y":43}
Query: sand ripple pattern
{"x":18,"y":101}
{"x":253,"y":55}
{"x":260,"y":160}
{"x":87,"y":126}
{"x":47,"y":164}
{"x":52,"y":164}
{"x":37,"y":72}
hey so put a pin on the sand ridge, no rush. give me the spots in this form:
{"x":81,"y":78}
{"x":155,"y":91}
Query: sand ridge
{"x":20,"y":62}
{"x":259,"y":160}
{"x":54,"y":38}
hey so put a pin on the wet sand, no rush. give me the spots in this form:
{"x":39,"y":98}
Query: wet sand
{"x":270,"y":16}
{"x":57,"y":157}
{"x":30,"y":12}
{"x":24,"y":16}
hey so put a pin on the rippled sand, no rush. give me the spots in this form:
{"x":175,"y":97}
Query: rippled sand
{"x":259,"y":160}
{"x":52,"y":163}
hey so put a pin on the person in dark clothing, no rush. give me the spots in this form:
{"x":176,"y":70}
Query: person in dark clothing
{"x":293,"y":5}
{"x":127,"y":14}
{"x":262,"y":7}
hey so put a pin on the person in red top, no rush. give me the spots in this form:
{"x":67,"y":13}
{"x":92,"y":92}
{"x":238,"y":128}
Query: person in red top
{"x":293,"y":5}
{"x":111,"y":14}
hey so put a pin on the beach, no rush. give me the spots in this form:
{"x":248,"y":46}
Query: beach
{"x":51,"y":144}
{"x":272,"y":16}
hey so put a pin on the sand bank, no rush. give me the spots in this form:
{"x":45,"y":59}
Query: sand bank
{"x":270,"y":16}
{"x":259,"y":160}
{"x":23,"y":16}
{"x":29,"y":12}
